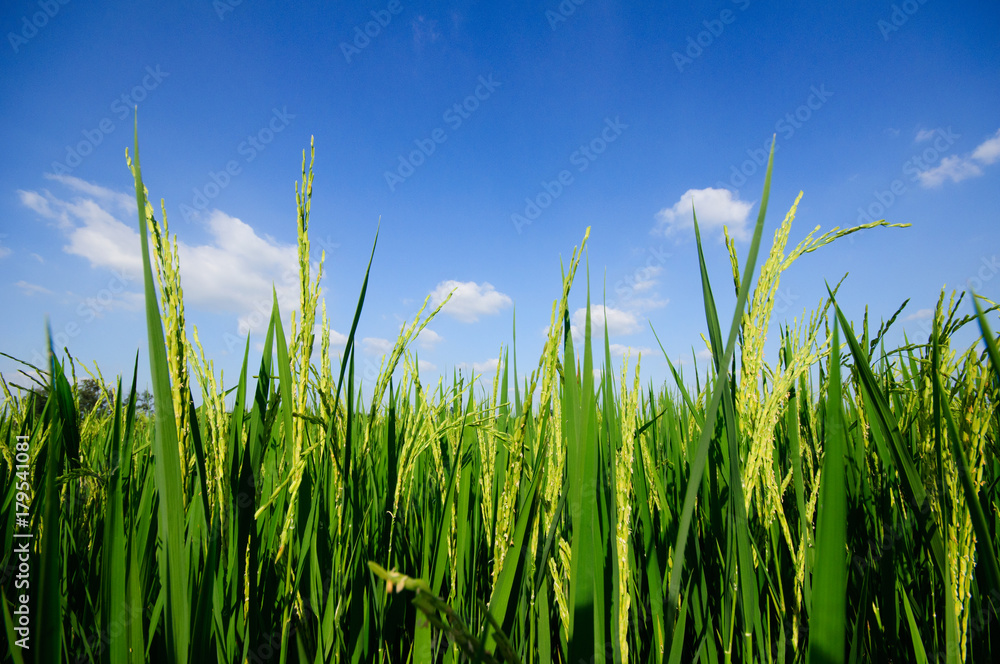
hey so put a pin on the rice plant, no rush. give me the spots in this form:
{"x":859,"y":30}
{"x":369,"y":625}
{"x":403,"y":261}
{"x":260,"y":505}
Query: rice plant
{"x":836,"y":504}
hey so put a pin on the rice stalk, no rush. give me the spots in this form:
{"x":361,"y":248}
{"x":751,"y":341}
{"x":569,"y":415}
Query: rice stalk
{"x":166,"y":260}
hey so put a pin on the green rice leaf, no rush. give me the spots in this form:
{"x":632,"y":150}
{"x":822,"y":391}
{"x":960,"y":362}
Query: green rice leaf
{"x":827,"y":643}
{"x":12,"y":637}
{"x":166,"y":451}
{"x":919,"y":652}
{"x":874,"y":397}
{"x":697,"y":467}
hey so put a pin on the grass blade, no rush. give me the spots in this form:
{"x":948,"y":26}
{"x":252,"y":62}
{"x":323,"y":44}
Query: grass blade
{"x":166,"y":451}
{"x":697,"y":466}
{"x":12,"y":637}
{"x":872,"y":391}
{"x":829,"y":611}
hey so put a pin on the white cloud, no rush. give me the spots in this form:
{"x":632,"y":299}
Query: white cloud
{"x":922,"y":314}
{"x":129,"y":302}
{"x":953,"y":167}
{"x":637,"y":292}
{"x":646,"y":303}
{"x":337,"y":340}
{"x":4,"y":251}
{"x":988,"y":151}
{"x":102,"y":239}
{"x":38,"y":258}
{"x":237,"y":270}
{"x":924,"y":135}
{"x":376,"y":345}
{"x":648,"y":281}
{"x":424,"y":31}
{"x":32,"y":289}
{"x":489,"y":366}
{"x":124,"y":202}
{"x":91,"y":231}
{"x":124,"y":301}
{"x":957,"y":168}
{"x":233,"y":272}
{"x":424,"y":365}
{"x":704,"y":354}
{"x":715,"y":208}
{"x":619,"y":350}
{"x":618,"y":322}
{"x":40,"y":204}
{"x":470,"y":300}
{"x":428,"y":339}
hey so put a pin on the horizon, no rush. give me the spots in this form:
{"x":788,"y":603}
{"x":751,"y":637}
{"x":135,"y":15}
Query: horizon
{"x":482,"y":141}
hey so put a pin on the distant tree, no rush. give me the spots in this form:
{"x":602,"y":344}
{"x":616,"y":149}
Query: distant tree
{"x":33,"y":397}
{"x":144,"y":403}
{"x":88,"y":396}
{"x":37,"y":398}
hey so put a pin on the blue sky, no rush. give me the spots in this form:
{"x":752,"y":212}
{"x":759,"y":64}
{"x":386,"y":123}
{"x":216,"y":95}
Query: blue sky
{"x":486,"y":138}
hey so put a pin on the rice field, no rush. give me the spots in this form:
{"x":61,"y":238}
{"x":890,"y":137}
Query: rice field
{"x":836,"y":503}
